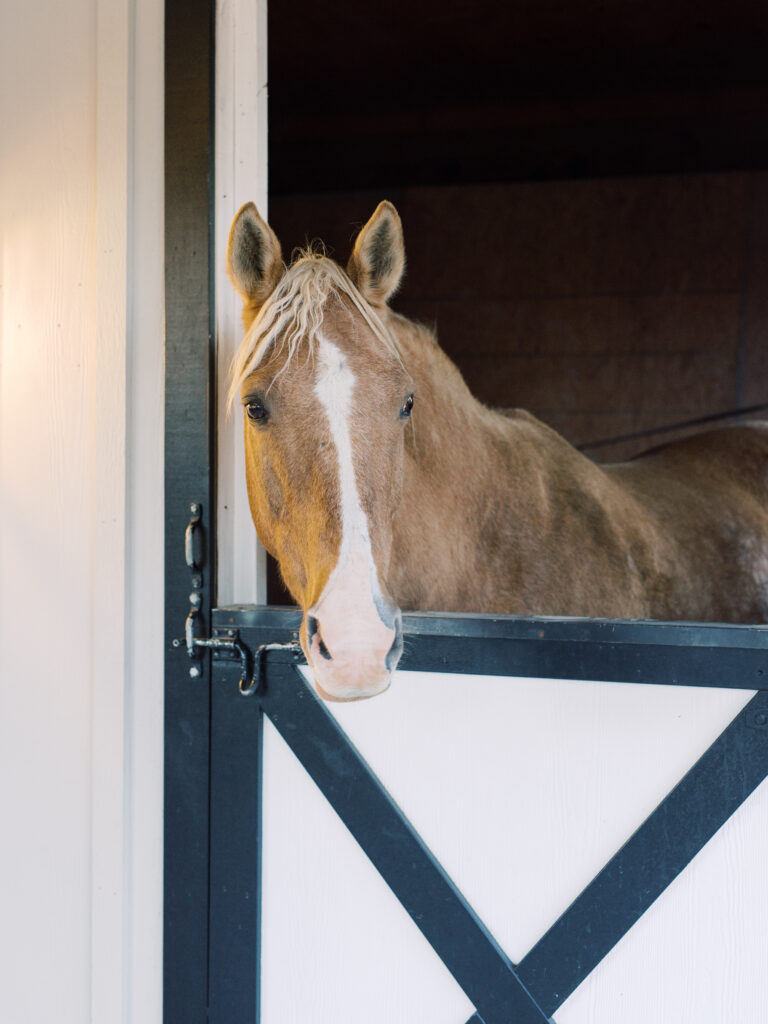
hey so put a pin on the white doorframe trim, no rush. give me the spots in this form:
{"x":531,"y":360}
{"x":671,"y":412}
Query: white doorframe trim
{"x":241,"y":175}
{"x":127,"y":519}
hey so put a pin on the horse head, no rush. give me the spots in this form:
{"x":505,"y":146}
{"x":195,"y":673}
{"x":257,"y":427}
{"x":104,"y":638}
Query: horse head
{"x":327,"y":404}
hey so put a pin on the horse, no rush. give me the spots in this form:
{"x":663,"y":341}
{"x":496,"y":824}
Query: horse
{"x":379,"y":483}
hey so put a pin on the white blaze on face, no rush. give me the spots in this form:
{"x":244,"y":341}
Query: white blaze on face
{"x":348,"y":612}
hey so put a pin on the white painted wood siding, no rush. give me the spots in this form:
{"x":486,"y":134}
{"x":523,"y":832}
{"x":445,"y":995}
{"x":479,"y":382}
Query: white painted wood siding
{"x":81,"y":267}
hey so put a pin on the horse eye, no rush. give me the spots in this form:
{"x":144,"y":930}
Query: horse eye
{"x":405,"y":412}
{"x":255,"y":411}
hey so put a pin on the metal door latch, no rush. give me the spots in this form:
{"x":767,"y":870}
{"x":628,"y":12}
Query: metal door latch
{"x":231,"y":643}
{"x":250,"y":667}
{"x":194,"y":556}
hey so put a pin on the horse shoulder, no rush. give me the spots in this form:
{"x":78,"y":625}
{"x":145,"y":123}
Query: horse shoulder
{"x":573,"y":530}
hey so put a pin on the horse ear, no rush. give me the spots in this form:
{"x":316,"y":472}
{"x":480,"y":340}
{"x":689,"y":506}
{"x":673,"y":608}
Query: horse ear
{"x":378,"y":259}
{"x":254,"y":259}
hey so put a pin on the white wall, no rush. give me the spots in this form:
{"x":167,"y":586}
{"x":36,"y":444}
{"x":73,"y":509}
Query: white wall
{"x":81,"y":266}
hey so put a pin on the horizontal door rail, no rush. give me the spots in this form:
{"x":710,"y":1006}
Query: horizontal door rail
{"x":613,"y":650}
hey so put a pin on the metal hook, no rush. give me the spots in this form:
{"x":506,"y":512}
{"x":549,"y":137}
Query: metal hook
{"x":254,"y":686}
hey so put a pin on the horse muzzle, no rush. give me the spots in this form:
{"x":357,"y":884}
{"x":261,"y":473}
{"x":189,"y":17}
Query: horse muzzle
{"x":351,"y":657}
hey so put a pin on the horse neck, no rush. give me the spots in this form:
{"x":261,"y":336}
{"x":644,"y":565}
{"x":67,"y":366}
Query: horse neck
{"x":461,"y":462}
{"x":483,"y":490}
{"x":456,"y":441}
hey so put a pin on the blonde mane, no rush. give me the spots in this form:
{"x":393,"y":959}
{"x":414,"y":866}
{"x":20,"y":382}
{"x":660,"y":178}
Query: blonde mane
{"x":295,"y":310}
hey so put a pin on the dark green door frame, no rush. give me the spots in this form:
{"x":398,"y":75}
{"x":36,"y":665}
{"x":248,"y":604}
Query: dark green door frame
{"x":189,"y":476}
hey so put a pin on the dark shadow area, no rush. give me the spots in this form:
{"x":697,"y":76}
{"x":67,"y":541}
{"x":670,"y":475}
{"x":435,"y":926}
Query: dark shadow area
{"x":400,"y":94}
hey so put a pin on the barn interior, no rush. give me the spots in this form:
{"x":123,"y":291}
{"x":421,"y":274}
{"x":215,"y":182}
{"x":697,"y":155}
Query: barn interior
{"x":583,"y":188}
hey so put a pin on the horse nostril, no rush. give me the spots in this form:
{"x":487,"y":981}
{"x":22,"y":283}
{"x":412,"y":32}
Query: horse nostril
{"x":313,"y":628}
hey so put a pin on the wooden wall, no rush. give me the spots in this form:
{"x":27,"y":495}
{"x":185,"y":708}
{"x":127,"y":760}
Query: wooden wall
{"x":603,"y":306}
